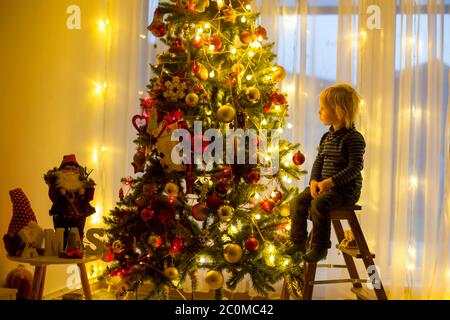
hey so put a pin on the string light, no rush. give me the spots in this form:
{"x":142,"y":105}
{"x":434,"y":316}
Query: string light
{"x":280,"y":130}
{"x":413,"y":181}
{"x":243,"y":19}
{"x":101,"y":25}
{"x":264,"y":122}
{"x":289,"y":125}
{"x":277,"y":107}
{"x":248,"y":7}
{"x":260,"y":39}
{"x":143,"y":36}
{"x":286,"y":262}
{"x":251,"y":54}
{"x":219,"y":3}
{"x":233,"y":51}
{"x":257,"y":216}
{"x":257,"y":196}
{"x":249,"y":77}
{"x":202,"y":260}
{"x":233,"y":229}
{"x":212,"y":74}
{"x":200,"y":30}
{"x":207,"y":25}
{"x":255,"y":44}
{"x":212,"y":47}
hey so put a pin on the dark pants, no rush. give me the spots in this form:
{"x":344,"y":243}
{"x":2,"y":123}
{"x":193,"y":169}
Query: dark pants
{"x":321,"y":207}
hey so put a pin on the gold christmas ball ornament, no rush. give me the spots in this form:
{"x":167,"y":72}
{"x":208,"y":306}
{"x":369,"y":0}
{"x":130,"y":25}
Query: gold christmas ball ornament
{"x":154,"y":241}
{"x":245,"y":37}
{"x":226,"y":113}
{"x":225,"y":213}
{"x":285,"y":210}
{"x":214,"y":280}
{"x":192,"y":99}
{"x":203,"y":73}
{"x":278,"y":73}
{"x":171,"y":189}
{"x":238,"y":68}
{"x":171,"y":273}
{"x":118,"y":246}
{"x":232,"y":253}
{"x":253,"y":94}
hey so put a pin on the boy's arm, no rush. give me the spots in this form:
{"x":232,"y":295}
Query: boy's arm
{"x":316,"y":171}
{"x":355,"y":146}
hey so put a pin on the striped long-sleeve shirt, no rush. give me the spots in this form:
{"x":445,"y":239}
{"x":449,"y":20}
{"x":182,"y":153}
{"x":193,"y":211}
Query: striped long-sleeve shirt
{"x":340,"y":158}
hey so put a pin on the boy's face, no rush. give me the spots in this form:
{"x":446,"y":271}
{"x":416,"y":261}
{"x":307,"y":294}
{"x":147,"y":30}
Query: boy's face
{"x":328,"y":116}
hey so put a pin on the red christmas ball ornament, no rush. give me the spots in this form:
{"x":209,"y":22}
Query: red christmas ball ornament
{"x":147,"y":214}
{"x":261,"y":31}
{"x":200,"y":212}
{"x":266,"y":108}
{"x":177,"y":46}
{"x":222,"y":187}
{"x":253,"y":176}
{"x":277,"y":195}
{"x":108,"y":254}
{"x":298,"y":158}
{"x":158,"y":29}
{"x":177,"y":243}
{"x":226,"y":172}
{"x":245,"y":37}
{"x":197,"y":42}
{"x":268,"y":205}
{"x":252,"y":244}
{"x":213,"y":201}
{"x":216,"y":41}
{"x":195,"y":68}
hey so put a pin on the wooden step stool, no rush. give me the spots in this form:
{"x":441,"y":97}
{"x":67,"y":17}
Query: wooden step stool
{"x":362,"y":252}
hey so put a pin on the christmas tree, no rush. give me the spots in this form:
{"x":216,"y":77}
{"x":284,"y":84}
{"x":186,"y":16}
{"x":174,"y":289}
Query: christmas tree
{"x":190,"y":206}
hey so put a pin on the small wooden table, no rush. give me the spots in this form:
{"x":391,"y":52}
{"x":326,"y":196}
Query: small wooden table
{"x":40,"y":263}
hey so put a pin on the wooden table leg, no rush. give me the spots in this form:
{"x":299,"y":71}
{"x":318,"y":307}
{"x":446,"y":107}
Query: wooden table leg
{"x":85,"y":281}
{"x":37,"y":280}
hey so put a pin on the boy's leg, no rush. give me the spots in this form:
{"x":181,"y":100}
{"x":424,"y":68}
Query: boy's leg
{"x":299,"y":206}
{"x":321,"y":207}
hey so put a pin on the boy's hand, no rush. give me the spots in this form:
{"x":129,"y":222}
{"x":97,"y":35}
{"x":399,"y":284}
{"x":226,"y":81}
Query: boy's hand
{"x":314,"y":188}
{"x":325,"y":185}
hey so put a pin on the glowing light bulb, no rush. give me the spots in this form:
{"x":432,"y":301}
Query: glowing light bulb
{"x":233,"y":229}
{"x":251,"y":54}
{"x":286,"y":164}
{"x":255,"y":44}
{"x":414,"y":182}
{"x":289,"y":125}
{"x":257,"y":216}
{"x":268,"y":78}
{"x":288,"y":227}
{"x":199,"y":30}
{"x":103,"y":149}
{"x":289,"y":180}
{"x":207,"y":25}
{"x":243,"y":19}
{"x":260,"y":39}
{"x":412,"y":251}
{"x":271,"y":248}
{"x":219,"y":3}
{"x":233,"y":51}
{"x":257,"y":196}
{"x":249,"y":77}
{"x":95,"y":155}
{"x":97,"y":216}
{"x":274,"y":69}
{"x":277,"y":107}
{"x":101,"y":25}
{"x":212,"y":74}
{"x":285,"y":178}
{"x":107,"y":21}
{"x":270,"y":150}
{"x":264,"y":122}
{"x":280,"y":130}
{"x":212,"y":47}
{"x":142,"y":36}
{"x":363,"y":34}
{"x":141,"y":93}
{"x":202,"y":260}
{"x":248,"y":7}
{"x":272,"y":259}
{"x":286,"y":262}
{"x":197,"y":38}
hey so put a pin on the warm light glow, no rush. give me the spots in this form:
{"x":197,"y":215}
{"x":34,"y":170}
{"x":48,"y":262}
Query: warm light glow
{"x":202,"y":260}
{"x":97,"y":216}
{"x":233,"y":229}
{"x":285,"y":178}
{"x":197,"y":38}
{"x":286,"y":164}
{"x":268,"y":77}
{"x":248,"y":7}
{"x":200,"y":30}
{"x":212,"y":74}
{"x":219,"y":3}
{"x":212,"y":47}
{"x":270,"y":150}
{"x":280,"y":130}
{"x":273,"y":194}
{"x":143,"y":36}
{"x":249,"y":77}
{"x":251,"y":54}
{"x":101,"y":25}
{"x":257,"y":216}
{"x":257,"y":196}
{"x":363,"y":34}
{"x":289,"y":88}
{"x":411,"y":267}
{"x":288,"y":227}
{"x":243,"y":19}
{"x":207,"y":25}
{"x":95,"y":155}
{"x":103,"y":149}
{"x":413,"y":181}
{"x":271,"y":248}
{"x":277,"y":107}
{"x":274,"y":69}
{"x":272,"y":259}
{"x":286,"y":262}
{"x":255,"y":44}
{"x":140,"y":93}
{"x":417,"y":112}
{"x":233,"y":50}
{"x":260,"y":38}
{"x":289,"y":125}
{"x":264,"y":122}
{"x":289,"y":180}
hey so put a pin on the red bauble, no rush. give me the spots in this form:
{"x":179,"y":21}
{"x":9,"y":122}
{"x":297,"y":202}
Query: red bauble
{"x":216,"y":41}
{"x":298,"y":158}
{"x":177,"y":46}
{"x":147,"y":214}
{"x":200,"y":212}
{"x":108,"y":254}
{"x":268,"y":205}
{"x":222,"y":187}
{"x":197,"y":42}
{"x":266,"y":108}
{"x":213,"y":201}
{"x":277,"y":196}
{"x":195,"y":68}
{"x":253,"y":176}
{"x":252,"y":244}
{"x":158,"y":29}
{"x":245,"y":37}
{"x":261,"y":31}
{"x":177,"y":243}
{"x":226,"y":172}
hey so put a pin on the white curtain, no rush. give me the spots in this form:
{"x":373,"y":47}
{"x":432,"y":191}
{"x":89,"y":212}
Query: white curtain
{"x":402,"y":72}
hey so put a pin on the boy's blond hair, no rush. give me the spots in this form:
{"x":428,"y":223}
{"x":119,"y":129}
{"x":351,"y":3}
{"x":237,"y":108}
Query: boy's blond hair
{"x":345,"y":101}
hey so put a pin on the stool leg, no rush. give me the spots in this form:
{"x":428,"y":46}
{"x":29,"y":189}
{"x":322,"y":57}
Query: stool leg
{"x":349,"y":262}
{"x":365,"y":252}
{"x":41,"y":286}
{"x":36,"y":287}
{"x":85,"y":281}
{"x":310,"y":275}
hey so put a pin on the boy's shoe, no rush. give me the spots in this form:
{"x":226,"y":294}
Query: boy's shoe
{"x":315,"y":255}
{"x":296,"y":247}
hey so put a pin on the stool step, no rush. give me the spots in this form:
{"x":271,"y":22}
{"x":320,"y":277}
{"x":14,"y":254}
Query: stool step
{"x":354,"y":252}
{"x":364,"y":294}
{"x":338,"y":281}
